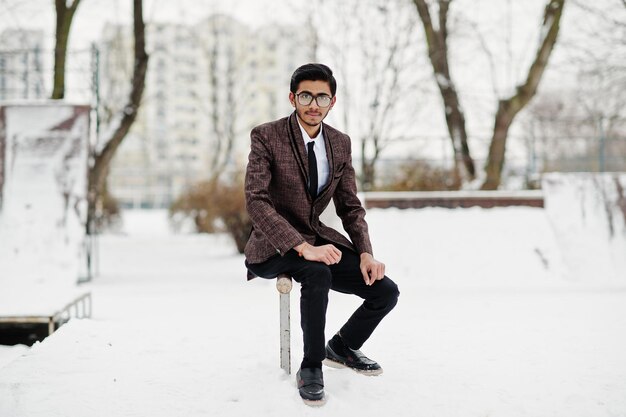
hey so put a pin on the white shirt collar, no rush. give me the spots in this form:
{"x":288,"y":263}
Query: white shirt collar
{"x":306,"y":136}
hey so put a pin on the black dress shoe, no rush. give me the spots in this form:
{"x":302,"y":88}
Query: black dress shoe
{"x":311,"y":385}
{"x":338,"y":355}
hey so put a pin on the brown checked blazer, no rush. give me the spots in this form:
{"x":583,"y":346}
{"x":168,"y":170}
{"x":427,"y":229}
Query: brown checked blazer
{"x":277,"y":199}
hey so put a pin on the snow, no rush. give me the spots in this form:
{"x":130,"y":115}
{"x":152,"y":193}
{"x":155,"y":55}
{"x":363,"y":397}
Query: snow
{"x":442,"y":80}
{"x":10,"y":353}
{"x":488,"y":323}
{"x":597,"y":228}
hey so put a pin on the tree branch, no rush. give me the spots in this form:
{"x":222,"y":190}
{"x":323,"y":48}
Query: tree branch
{"x":508,"y":109}
{"x":431,"y":34}
{"x":98,"y":172}
{"x":549,"y":32}
{"x":492,"y":65}
{"x":443,"y":27}
{"x":64,"y":16}
{"x":438,"y":55}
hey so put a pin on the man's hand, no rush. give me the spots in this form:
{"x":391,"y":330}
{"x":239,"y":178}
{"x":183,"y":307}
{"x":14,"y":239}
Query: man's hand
{"x":327,"y":254}
{"x":371,"y":269}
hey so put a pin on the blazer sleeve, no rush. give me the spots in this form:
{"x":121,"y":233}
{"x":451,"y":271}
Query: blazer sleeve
{"x":274,"y":227}
{"x":349,"y":209}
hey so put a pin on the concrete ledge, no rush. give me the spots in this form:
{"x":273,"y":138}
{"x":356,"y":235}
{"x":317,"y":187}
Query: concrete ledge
{"x":453,"y":199}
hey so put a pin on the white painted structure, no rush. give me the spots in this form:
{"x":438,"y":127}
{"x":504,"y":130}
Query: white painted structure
{"x":43,"y":183}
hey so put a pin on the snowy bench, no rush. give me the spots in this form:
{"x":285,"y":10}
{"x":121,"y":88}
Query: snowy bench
{"x":79,"y":306}
{"x":284,"y":285}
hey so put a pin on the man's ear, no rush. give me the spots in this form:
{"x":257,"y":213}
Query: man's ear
{"x":332,"y":102}
{"x":292,"y":99}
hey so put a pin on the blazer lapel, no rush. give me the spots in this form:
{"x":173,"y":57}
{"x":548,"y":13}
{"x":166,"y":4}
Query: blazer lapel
{"x":297,"y":146}
{"x":329,"y":141}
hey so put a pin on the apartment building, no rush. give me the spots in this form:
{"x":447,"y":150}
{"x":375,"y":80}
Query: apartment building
{"x":207,"y":85}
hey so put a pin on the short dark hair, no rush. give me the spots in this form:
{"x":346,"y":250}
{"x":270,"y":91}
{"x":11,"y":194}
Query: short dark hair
{"x":313,"y":72}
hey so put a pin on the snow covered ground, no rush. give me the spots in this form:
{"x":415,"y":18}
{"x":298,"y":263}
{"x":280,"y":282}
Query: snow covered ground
{"x":488,"y":324}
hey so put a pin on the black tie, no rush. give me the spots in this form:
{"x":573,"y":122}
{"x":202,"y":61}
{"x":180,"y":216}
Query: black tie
{"x":312,"y":170}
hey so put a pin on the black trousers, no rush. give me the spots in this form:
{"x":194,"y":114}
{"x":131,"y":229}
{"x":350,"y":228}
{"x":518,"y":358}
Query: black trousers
{"x":316,"y":279}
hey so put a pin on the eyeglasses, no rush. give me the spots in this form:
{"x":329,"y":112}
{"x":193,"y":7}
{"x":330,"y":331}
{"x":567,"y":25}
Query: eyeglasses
{"x":305,"y":99}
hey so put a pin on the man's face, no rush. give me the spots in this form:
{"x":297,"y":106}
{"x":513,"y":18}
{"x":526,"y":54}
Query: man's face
{"x":312,"y":114}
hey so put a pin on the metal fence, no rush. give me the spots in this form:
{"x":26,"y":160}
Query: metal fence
{"x":27,"y":74}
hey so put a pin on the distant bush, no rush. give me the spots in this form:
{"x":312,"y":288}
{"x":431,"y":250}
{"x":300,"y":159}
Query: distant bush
{"x":415,"y":175}
{"x":216,"y":206}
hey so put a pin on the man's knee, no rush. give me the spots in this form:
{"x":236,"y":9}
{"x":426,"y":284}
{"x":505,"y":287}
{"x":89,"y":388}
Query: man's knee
{"x":317,"y":276}
{"x":389,"y":292}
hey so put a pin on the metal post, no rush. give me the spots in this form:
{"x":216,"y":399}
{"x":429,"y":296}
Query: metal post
{"x":50,"y":325}
{"x":93,"y":265}
{"x":26,"y":77}
{"x":90,"y":305}
{"x":284,"y":285}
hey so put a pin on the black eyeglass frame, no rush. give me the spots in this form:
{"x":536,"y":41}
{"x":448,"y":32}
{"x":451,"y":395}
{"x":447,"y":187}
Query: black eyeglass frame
{"x":330,"y":99}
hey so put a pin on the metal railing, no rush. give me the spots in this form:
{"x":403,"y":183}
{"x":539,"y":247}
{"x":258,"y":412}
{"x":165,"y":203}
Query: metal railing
{"x":79,"y":307}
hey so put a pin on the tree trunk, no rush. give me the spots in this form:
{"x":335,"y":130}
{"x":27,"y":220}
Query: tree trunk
{"x":102,"y":160}
{"x":455,"y":119}
{"x":368,"y":175}
{"x":64,"y":16}
{"x":508,"y":109}
{"x":497,"y":147}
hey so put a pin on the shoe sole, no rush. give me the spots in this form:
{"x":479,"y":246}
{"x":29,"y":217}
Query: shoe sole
{"x":338,"y":365}
{"x":314,"y":403}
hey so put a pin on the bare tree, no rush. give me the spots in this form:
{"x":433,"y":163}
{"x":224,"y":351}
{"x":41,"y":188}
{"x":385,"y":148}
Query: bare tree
{"x":99,"y":169}
{"x":508,"y":108}
{"x":383,"y":66}
{"x":115,"y":60}
{"x":64,"y":13}
{"x":226,"y":59}
{"x":582,"y":125}
{"x":223,"y":103}
{"x":377,"y":84}
{"x":437,"y":41}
